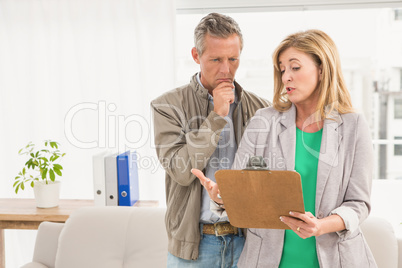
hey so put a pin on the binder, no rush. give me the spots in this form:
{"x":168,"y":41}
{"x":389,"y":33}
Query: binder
{"x":111,"y":180}
{"x":257,"y":198}
{"x":127,"y":177}
{"x":98,"y":168}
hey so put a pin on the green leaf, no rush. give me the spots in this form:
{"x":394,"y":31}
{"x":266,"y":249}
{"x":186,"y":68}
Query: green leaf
{"x":32,"y":184}
{"x":19,"y":152}
{"x":44,"y":173}
{"x":51,"y":174}
{"x":55,"y":157}
{"x":45,"y":143}
{"x":17,"y":188}
{"x":15,"y":183}
{"x":23,"y":171}
{"x":54,"y":144}
{"x":57,"y":166}
{"x":58,"y":172}
{"x":32,"y":154}
{"x":22,"y":186}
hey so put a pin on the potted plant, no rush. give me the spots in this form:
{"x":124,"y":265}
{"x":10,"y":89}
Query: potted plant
{"x":40,"y":172}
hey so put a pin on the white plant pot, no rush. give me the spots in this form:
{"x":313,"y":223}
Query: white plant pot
{"x":47,"y":195}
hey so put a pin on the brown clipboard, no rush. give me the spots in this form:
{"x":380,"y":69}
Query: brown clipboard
{"x":257,"y":198}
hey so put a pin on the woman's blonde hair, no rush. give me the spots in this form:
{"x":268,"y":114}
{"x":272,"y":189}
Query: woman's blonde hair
{"x":333,"y":94}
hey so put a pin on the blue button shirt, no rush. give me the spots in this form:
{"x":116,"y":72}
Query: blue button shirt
{"x":222,"y":158}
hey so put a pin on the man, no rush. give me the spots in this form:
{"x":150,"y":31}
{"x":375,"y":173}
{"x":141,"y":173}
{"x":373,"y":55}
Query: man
{"x":199,"y":125}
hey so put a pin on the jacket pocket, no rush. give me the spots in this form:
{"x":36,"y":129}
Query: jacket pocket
{"x":353,"y":252}
{"x":251,"y":252}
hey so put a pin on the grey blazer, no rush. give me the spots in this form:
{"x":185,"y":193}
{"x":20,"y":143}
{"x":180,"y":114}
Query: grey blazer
{"x":343,"y":185}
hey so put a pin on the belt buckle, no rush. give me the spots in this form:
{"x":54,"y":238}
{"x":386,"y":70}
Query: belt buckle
{"x":219,"y":229}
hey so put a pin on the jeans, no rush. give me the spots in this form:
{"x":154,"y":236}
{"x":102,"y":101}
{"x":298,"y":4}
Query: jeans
{"x":214,"y":252}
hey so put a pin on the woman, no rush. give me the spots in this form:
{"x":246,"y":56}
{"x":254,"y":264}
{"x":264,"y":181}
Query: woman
{"x":312,"y":129}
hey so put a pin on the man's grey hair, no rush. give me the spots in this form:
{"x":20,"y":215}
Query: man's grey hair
{"x":216,"y":25}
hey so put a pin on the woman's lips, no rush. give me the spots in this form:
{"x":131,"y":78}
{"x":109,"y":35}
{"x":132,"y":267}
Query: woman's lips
{"x":290,"y":89}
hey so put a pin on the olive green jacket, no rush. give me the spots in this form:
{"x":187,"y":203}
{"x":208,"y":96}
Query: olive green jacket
{"x":186,"y":135}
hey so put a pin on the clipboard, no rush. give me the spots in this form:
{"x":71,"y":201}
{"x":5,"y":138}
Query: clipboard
{"x":257,"y":198}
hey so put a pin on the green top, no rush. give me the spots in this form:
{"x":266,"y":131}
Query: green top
{"x":298,"y":252}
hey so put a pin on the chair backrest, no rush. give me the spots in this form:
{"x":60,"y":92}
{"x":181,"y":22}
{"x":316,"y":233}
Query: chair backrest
{"x":113,"y":237}
{"x":382,"y":241}
{"x":46,"y":243}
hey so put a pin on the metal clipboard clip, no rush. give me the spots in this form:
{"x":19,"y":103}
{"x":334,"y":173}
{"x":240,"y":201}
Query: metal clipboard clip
{"x":256,"y":163}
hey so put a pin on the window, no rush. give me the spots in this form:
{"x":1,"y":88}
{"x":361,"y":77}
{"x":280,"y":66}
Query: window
{"x":400,"y":79}
{"x":398,"y":147}
{"x":398,"y":14}
{"x":398,"y":108}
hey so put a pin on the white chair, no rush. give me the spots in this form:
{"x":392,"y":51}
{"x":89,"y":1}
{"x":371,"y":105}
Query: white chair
{"x":385,"y":246}
{"x":103,"y":237}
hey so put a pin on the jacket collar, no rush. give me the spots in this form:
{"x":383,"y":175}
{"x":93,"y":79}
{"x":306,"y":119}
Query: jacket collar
{"x":287,"y":137}
{"x":198,"y":89}
{"x":329,"y":157}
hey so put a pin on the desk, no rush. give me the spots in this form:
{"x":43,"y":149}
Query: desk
{"x":18,"y":213}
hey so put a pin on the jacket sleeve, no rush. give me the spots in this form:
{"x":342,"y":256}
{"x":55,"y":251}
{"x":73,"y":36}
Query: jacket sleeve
{"x":356,"y":202}
{"x":180,"y":148}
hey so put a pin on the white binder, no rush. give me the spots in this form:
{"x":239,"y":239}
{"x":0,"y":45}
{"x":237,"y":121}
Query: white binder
{"x":111,"y":180}
{"x":98,"y":165}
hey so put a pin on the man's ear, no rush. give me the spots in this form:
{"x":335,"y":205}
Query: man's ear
{"x":195,"y":55}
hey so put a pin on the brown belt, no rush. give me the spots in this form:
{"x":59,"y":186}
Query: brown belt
{"x":219,"y":229}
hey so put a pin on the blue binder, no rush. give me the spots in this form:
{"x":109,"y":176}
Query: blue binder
{"x":127,"y":177}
